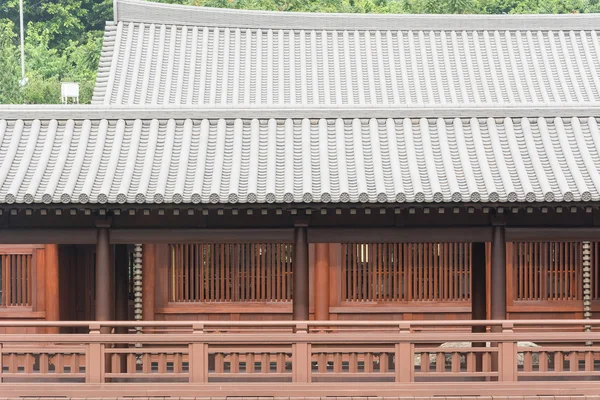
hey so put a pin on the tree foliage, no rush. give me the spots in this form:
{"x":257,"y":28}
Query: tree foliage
{"x":63,"y":38}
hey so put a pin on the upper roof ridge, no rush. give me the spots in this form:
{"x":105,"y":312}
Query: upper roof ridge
{"x":167,"y":54}
{"x":132,"y":112}
{"x":158,"y":13}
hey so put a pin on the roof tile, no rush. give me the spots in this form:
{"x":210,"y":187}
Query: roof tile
{"x":300,"y":160}
{"x":405,"y":60}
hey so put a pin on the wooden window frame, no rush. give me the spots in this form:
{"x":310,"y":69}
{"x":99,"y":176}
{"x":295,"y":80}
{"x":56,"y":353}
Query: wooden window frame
{"x":541,"y":305}
{"x":36,"y":280}
{"x":426,"y":296}
{"x":228,"y":298}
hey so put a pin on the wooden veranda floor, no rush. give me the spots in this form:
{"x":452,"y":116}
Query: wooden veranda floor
{"x":557,"y":397}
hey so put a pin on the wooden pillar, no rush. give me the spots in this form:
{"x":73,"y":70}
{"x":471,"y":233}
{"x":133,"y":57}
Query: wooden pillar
{"x":322,"y":281}
{"x":300,"y":283}
{"x":121,"y":285}
{"x":121,"y":296}
{"x":478,"y":282}
{"x":478,"y":295}
{"x":103,"y":277}
{"x":498,"y":274}
{"x":52,"y":292}
{"x":112,"y":297}
{"x":498,"y":286}
{"x":148,"y":281}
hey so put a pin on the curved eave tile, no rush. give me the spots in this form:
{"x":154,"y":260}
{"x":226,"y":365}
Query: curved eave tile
{"x":271,"y":161}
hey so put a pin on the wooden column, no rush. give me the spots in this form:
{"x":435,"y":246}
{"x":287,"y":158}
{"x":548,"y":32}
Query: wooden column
{"x":148,"y":281}
{"x":52,"y":292}
{"x":498,"y":274}
{"x":104,"y":282}
{"x":322,"y":281}
{"x":103,"y":276}
{"x":300,"y":283}
{"x":478,"y":282}
{"x":478,"y":295}
{"x":121,"y":296}
{"x":121,"y":285}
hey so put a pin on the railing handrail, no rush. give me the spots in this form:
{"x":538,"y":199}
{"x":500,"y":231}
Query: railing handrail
{"x":281,"y":339}
{"x":388,"y":351}
{"x":296,"y":324}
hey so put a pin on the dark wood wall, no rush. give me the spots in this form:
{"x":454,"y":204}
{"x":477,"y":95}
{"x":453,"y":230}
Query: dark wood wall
{"x":77,"y":282}
{"x":342,"y":304}
{"x":544,"y":280}
{"x":361,"y":289}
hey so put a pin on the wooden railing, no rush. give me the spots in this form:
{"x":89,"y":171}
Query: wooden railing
{"x":283,"y":357}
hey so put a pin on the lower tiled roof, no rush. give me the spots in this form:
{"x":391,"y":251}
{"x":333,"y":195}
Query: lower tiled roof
{"x":299,"y":160}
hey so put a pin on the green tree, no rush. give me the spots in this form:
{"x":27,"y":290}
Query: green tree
{"x":63,"y":40}
{"x":10,"y":70}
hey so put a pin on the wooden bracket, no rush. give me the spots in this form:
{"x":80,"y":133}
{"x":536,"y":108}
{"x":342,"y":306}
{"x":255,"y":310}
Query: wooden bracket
{"x":301,"y":222}
{"x":104,"y":222}
{"x":399,"y":218}
{"x":497,"y":219}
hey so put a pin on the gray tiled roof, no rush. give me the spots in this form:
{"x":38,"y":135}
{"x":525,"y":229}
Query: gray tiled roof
{"x":165,"y":54}
{"x":299,"y":160}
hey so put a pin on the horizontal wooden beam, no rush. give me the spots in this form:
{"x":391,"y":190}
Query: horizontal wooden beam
{"x":552,"y":234}
{"x":434,"y":307}
{"x":47,"y":236}
{"x":399,"y":235}
{"x":127,"y":236}
{"x":227,"y":308}
{"x":578,"y":389}
{"x":285,"y":235}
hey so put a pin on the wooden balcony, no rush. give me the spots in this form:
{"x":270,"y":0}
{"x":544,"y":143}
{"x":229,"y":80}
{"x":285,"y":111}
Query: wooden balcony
{"x":284,"y":358}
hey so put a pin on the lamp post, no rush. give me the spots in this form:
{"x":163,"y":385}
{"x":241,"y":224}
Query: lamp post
{"x":23,"y":80}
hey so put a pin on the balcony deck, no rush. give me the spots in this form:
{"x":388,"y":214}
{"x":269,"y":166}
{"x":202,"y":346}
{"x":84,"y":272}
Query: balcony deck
{"x":303,"y":359}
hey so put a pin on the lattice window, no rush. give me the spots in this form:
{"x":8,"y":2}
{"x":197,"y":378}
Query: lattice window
{"x":230,"y":272}
{"x":406,"y":272}
{"x":16,"y":280}
{"x":548,"y":270}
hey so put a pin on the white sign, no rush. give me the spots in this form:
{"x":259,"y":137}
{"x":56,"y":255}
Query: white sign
{"x":69,"y":90}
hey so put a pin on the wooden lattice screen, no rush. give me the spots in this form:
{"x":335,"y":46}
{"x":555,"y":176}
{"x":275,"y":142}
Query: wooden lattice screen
{"x":406,"y":272}
{"x":16,"y":279}
{"x":230,"y":272}
{"x":551,"y":270}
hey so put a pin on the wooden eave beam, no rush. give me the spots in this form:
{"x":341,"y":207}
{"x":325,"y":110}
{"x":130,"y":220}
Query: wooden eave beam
{"x":399,"y":235}
{"x":128,"y":236}
{"x":48,"y":236}
{"x":552,"y":234}
{"x":285,"y":235}
{"x":158,"y":236}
